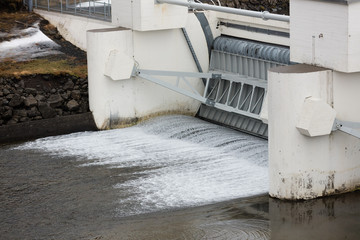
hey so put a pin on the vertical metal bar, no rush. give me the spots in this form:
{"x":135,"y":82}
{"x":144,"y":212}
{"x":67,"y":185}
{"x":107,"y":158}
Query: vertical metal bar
{"x":109,"y":10}
{"x":30,"y":5}
{"x":206,"y":87}
{"x":228,"y":96}
{"x":89,"y":7}
{"x":241,"y":91}
{"x":61,"y":8}
{"x":252,"y":96}
{"x":48,"y":2}
{"x":104,"y":10}
{"x":75,"y":7}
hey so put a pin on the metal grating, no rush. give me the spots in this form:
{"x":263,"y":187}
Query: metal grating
{"x":246,"y":58}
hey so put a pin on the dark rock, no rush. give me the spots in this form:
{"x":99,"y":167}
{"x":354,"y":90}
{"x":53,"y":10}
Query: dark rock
{"x":17,"y":100}
{"x":72,"y":105}
{"x":22,"y":84}
{"x":12,"y":121}
{"x":84,"y":107}
{"x":76,"y":95}
{"x":55,"y":100}
{"x":31,"y":91}
{"x":76,"y":87}
{"x":46,"y":111}
{"x":1,"y":94}
{"x":68,"y":85}
{"x":65,"y":95}
{"x":37,"y":118}
{"x":59,"y":111}
{"x":6,"y":91}
{"x":30,"y":101}
{"x":4,"y":102}
{"x":20,"y":113}
{"x":46,"y":77}
{"x":24,"y":119}
{"x":33,"y":112}
{"x":53,"y":90}
{"x":7,"y":114}
{"x":9,"y":96}
{"x":40,"y":97}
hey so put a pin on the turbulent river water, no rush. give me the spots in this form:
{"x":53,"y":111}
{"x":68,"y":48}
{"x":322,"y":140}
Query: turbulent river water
{"x":173,"y":177}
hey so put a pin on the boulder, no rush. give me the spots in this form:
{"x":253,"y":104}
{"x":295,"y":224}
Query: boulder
{"x":46,"y":111}
{"x":72,"y":105}
{"x":55,"y":100}
{"x":30,"y":101}
{"x":16,"y":100}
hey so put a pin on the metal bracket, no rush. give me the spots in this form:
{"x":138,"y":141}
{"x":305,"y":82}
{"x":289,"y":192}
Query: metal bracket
{"x":240,"y":102}
{"x":351,"y":128}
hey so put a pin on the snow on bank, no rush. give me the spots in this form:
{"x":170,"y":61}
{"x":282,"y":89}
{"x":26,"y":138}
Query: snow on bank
{"x":28,"y":44}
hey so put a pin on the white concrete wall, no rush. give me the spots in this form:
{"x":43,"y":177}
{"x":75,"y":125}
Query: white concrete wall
{"x":255,"y":23}
{"x":146,"y":15}
{"x":73,"y":28}
{"x":118,"y":103}
{"x":325,"y":33}
{"x":301,"y":167}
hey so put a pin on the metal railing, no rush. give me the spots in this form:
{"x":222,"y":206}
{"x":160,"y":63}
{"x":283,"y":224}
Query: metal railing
{"x":98,"y":9}
{"x":193,"y":5}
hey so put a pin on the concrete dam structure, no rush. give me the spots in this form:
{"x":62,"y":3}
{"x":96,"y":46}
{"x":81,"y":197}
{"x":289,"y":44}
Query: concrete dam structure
{"x":292,"y":80}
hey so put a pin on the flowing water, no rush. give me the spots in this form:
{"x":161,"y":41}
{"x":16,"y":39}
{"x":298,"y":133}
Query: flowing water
{"x":173,"y":177}
{"x":173,"y":161}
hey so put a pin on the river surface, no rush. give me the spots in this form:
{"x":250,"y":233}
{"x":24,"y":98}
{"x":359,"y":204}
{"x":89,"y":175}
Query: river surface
{"x":173,"y":177}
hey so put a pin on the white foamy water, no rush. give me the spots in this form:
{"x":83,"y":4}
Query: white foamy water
{"x":175,"y":161}
{"x":28,"y":44}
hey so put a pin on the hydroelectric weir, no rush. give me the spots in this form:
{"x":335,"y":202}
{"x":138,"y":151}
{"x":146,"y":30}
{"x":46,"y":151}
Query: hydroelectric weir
{"x":292,"y":80}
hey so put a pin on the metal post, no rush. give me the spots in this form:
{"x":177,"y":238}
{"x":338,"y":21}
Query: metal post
{"x":61,"y":8}
{"x":35,"y":3}
{"x":104,"y":10}
{"x":108,"y":9}
{"x":30,"y":5}
{"x":264,"y":15}
{"x":48,"y":1}
{"x":75,"y":7}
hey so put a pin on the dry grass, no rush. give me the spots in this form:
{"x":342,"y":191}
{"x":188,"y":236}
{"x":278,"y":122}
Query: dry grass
{"x":42,"y":66}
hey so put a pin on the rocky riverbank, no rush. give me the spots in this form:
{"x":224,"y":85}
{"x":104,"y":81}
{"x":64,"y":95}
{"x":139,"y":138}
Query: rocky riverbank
{"x":38,"y":97}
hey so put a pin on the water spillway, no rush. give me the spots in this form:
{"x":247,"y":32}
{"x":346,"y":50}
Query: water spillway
{"x":169,"y":162}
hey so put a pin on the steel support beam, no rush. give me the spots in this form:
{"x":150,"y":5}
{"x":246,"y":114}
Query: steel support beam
{"x":152,"y":75}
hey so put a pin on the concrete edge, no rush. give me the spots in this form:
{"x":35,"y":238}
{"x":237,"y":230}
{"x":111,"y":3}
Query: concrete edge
{"x":47,"y":127}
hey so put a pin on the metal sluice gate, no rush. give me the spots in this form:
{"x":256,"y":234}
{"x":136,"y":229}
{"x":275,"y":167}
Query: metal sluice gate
{"x":236,"y":85}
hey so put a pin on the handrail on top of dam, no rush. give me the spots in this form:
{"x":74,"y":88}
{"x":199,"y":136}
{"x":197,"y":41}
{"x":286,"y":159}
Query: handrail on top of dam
{"x":264,"y":15}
